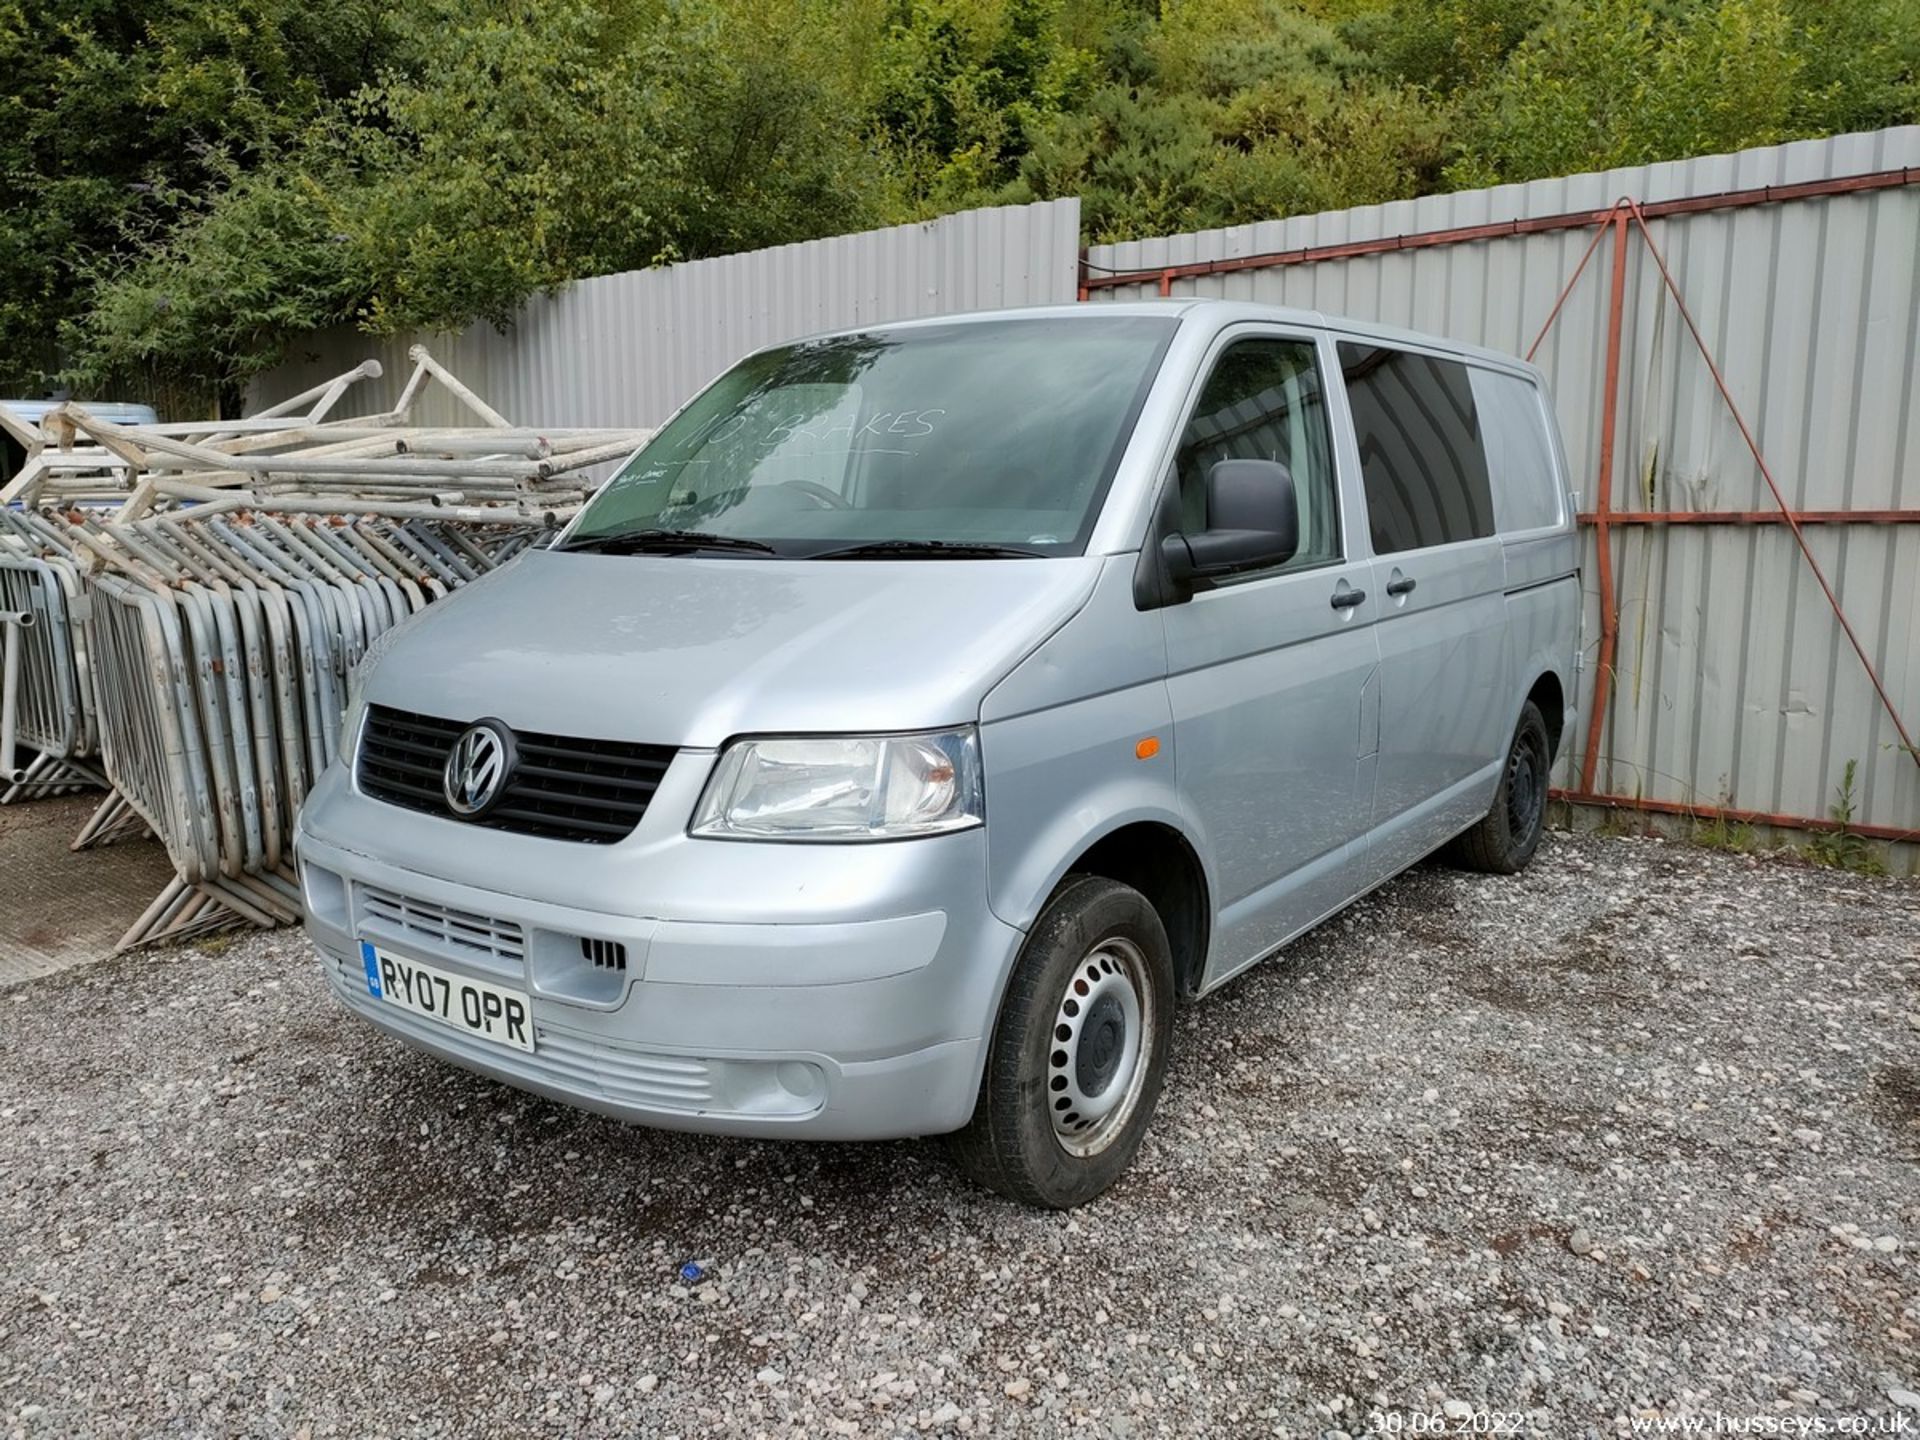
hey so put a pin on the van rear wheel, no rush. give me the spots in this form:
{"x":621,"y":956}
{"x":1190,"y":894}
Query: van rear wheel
{"x":1503,"y":842}
{"x":1079,"y":1051}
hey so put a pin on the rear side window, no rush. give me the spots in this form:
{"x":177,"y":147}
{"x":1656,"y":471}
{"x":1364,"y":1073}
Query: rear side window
{"x":1513,"y":422}
{"x":1264,"y":401}
{"x":1421,"y":456}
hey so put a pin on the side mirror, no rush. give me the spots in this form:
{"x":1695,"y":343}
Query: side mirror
{"x":1253,"y":522}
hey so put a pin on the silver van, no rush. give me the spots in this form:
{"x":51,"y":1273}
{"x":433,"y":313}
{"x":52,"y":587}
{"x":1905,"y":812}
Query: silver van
{"x":926,"y":711}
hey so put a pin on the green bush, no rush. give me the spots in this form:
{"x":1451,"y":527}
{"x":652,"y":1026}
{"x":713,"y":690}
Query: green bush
{"x":186,"y":185}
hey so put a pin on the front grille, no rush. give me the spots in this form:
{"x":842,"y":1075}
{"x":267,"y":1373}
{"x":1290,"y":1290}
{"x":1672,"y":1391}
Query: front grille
{"x":440,"y":927}
{"x":561,"y":788}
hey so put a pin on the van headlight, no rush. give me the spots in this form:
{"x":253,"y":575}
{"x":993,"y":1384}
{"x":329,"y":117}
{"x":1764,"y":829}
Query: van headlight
{"x":848,"y":787}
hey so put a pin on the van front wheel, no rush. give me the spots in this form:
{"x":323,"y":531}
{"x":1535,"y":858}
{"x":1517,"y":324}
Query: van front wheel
{"x":1078,"y":1053}
{"x":1505,"y":840}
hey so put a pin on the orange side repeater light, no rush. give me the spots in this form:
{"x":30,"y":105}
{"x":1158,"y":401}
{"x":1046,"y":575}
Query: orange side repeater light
{"x":1147,"y":748}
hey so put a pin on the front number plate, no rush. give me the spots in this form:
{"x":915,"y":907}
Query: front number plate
{"x":490,"y":1012}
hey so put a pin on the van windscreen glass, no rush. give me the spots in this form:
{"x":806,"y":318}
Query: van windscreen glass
{"x":959,"y":439}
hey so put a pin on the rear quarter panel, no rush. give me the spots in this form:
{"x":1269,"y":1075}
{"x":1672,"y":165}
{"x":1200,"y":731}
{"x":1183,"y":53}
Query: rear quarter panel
{"x":1533,"y":506}
{"x":1543,"y":625}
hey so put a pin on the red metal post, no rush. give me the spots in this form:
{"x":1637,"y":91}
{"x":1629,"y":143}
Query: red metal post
{"x":1505,"y":229}
{"x":1731,"y":813}
{"x":1599,"y":234}
{"x":1757,"y":517}
{"x":1603,"y":506}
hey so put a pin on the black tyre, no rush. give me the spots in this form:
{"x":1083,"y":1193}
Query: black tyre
{"x":1079,"y":1051}
{"x":1505,"y":840}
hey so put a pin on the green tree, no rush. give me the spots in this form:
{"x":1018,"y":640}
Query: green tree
{"x":504,"y":151}
{"x":960,"y":88}
{"x":1624,"y":82}
{"x":1240,"y":110}
{"x":189,"y":184}
{"x":1443,"y":45}
{"x":116,"y":118}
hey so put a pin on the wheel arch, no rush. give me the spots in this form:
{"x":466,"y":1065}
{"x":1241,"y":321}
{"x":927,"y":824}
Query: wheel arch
{"x":1158,"y":860}
{"x":1549,"y":696}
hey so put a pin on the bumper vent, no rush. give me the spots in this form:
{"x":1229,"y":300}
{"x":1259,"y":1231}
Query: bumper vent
{"x":603,"y":954}
{"x":560,"y":788}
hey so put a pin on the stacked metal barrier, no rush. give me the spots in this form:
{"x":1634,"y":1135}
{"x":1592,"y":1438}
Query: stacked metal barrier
{"x":46,"y":688}
{"x":190,"y":601}
{"x":305,"y":461}
{"x":223,"y":656}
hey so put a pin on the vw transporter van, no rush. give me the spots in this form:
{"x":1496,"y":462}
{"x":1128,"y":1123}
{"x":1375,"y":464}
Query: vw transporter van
{"x":927,"y":711}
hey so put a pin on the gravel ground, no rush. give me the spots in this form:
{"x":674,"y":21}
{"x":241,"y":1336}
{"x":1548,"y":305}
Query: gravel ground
{"x":1635,"y":1133}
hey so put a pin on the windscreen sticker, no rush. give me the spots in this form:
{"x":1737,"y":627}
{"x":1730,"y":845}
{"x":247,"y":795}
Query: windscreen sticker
{"x":888,"y":424}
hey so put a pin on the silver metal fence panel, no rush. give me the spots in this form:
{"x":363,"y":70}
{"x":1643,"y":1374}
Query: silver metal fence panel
{"x":54,"y":712}
{"x":627,"y":349}
{"x":150,"y":736}
{"x":48,"y":715}
{"x":224,"y":633}
{"x":1734,"y":684}
{"x":224,"y":679}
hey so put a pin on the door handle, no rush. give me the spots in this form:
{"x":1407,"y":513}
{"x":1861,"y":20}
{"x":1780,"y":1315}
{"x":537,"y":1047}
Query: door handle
{"x":1402,"y":585}
{"x":1347,"y":599}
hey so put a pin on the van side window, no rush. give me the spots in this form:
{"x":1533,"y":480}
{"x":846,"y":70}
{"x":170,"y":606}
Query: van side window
{"x":1527,"y":492}
{"x":1421,"y":455}
{"x":1264,"y":401}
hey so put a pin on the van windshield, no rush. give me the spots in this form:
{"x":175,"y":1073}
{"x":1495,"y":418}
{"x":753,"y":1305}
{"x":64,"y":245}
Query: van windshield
{"x":991,"y":437}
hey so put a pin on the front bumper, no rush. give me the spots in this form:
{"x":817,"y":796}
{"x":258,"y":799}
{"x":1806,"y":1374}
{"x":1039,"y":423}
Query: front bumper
{"x":853,"y":1004}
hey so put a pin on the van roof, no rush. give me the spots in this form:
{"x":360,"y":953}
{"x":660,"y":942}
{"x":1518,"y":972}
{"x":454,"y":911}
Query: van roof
{"x":1214,"y":313}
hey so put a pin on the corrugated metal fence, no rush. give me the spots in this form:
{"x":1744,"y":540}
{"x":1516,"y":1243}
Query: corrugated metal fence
{"x":1733,"y":686}
{"x":626,"y":349}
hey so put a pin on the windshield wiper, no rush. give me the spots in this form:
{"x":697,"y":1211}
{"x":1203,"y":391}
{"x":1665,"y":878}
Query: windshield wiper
{"x":666,"y":542}
{"x":926,"y":550}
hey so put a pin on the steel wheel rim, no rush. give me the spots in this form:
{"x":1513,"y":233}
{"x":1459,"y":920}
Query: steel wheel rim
{"x":1101,"y":1047}
{"x":1525,"y":791}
